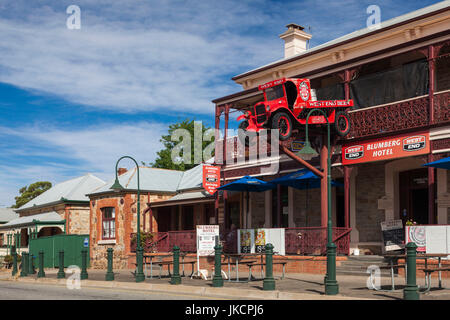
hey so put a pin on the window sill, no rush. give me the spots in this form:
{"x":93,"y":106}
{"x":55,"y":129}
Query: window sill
{"x":112,"y":241}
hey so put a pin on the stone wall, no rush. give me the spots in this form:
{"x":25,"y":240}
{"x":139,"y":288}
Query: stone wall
{"x":257,"y":200}
{"x":78,"y":220}
{"x":369,"y":188}
{"x":306,"y":208}
{"x":126,"y":224}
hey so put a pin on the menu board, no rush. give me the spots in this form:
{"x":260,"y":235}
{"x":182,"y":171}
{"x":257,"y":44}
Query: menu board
{"x":393,"y":235}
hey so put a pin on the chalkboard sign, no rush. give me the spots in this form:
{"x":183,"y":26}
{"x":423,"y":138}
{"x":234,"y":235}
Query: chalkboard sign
{"x":393,"y":235}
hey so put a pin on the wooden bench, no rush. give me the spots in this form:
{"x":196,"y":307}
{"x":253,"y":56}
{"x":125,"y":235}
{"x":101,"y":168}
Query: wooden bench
{"x":428,"y":272}
{"x":250,"y":265}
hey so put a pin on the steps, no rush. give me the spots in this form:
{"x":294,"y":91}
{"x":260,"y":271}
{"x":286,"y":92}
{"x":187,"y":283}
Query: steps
{"x":357,"y":266}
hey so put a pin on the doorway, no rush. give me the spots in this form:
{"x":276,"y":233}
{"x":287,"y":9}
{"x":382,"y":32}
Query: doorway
{"x":340,"y":203}
{"x":414,"y":195}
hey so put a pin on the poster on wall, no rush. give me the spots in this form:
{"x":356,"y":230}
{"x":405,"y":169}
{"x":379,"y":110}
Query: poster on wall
{"x":393,"y":235}
{"x":255,"y":240}
{"x":246,"y":241}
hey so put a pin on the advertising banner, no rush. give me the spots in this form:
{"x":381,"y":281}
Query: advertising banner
{"x":211,"y":178}
{"x":386,"y":148}
{"x":255,"y":240}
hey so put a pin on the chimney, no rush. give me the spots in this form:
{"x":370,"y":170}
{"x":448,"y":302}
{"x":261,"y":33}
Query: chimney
{"x":295,"y":40}
{"x":121,"y":171}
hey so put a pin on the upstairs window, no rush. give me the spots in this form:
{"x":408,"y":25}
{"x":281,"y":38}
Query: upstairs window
{"x":108,"y":223}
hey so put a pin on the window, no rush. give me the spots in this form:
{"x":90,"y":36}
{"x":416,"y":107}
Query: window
{"x":274,"y":93}
{"x":109,"y":223}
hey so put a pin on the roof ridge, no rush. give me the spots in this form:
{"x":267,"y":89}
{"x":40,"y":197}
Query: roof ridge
{"x":82,"y":180}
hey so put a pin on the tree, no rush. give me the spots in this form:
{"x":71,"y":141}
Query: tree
{"x":31,"y":192}
{"x":164,"y":156}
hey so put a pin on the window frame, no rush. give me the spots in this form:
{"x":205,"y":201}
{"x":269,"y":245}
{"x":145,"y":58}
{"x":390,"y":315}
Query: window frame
{"x":111,"y":223}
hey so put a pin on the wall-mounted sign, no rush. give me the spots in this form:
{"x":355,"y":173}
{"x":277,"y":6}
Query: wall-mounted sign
{"x":297,"y":145}
{"x":211,"y":178}
{"x":386,"y":148}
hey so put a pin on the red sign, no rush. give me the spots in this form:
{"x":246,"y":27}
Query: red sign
{"x":211,"y":178}
{"x":383,"y":149}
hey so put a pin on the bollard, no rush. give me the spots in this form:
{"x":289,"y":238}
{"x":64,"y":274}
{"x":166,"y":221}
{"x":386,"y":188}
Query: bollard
{"x":41,"y":273}
{"x":24,"y":271}
{"x":411,"y":291}
{"x":269,"y":281}
{"x":331,"y":285}
{"x":110,"y":274}
{"x":31,"y":269}
{"x":61,"y":274}
{"x":139,"y":260}
{"x":176,"y":279}
{"x":218,"y":280}
{"x":83,"y":274}
{"x":14,"y":254}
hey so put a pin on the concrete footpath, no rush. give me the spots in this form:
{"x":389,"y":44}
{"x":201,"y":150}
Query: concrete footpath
{"x":292,"y":287}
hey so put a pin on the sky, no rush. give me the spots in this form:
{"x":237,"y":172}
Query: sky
{"x":73,"y":101}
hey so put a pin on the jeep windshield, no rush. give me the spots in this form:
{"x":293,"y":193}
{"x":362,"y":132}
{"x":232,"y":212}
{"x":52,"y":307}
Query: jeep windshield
{"x":274,"y":93}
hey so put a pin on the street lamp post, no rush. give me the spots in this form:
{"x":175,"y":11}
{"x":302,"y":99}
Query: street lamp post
{"x":331,"y":285}
{"x":139,"y":251}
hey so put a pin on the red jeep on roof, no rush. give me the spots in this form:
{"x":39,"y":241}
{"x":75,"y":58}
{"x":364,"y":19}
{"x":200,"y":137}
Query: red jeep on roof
{"x":286,"y":105}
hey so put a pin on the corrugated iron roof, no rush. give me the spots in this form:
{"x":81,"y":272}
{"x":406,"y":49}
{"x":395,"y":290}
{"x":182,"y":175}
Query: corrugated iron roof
{"x":72,"y":190}
{"x":28,"y":220}
{"x":7,"y":214}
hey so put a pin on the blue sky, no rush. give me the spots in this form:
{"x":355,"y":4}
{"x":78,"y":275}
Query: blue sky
{"x":74,"y":101}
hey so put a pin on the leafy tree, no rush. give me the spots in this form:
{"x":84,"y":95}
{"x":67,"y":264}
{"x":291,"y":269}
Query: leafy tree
{"x":164,"y":156}
{"x":31,"y":192}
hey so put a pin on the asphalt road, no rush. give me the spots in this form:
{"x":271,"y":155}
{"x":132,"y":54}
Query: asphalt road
{"x":25,"y":291}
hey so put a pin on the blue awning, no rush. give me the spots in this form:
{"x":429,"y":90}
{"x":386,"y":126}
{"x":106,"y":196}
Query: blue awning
{"x":248,"y":183}
{"x":442,"y":164}
{"x":301,"y":179}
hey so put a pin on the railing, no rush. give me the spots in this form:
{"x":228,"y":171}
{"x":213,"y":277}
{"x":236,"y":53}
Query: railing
{"x":301,"y":241}
{"x":313,"y":240}
{"x":388,"y":118}
{"x":441,"y":107}
{"x":165,"y":241}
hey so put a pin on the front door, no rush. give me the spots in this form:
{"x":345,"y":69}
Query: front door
{"x":414,"y":196}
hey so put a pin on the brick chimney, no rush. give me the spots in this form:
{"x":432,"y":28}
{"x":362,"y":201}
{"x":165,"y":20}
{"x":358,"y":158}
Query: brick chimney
{"x":295,"y":40}
{"x":121,"y":171}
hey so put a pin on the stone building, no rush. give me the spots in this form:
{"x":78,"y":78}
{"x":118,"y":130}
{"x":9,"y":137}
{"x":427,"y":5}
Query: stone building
{"x":398,"y":75}
{"x":170,"y":200}
{"x":64,"y":208}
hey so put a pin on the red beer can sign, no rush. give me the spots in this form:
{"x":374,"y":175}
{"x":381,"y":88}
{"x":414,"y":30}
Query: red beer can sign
{"x":354,"y":152}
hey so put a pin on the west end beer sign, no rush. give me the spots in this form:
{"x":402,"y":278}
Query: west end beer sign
{"x":211,"y":178}
{"x":384,"y":149}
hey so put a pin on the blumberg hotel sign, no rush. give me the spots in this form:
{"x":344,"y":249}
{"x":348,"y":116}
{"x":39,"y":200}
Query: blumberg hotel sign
{"x":399,"y":146}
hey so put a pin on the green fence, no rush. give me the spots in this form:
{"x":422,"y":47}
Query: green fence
{"x":72,"y":244}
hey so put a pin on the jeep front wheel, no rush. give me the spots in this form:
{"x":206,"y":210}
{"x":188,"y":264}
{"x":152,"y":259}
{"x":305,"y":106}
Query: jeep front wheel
{"x":282,"y":121}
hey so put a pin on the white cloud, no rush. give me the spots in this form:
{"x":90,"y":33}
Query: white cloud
{"x":120,"y":61}
{"x":75,"y":152}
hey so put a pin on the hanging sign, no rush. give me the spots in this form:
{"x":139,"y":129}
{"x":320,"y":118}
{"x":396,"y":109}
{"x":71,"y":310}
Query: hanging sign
{"x":211,"y":178}
{"x":388,"y":148}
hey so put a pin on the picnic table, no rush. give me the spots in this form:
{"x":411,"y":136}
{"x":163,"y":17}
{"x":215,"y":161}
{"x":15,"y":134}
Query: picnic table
{"x":148,"y":259}
{"x":240,"y":259}
{"x":425,"y":256}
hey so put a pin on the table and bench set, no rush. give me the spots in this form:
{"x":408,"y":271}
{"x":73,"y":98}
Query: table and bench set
{"x":249,"y":259}
{"x":394,"y":265}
